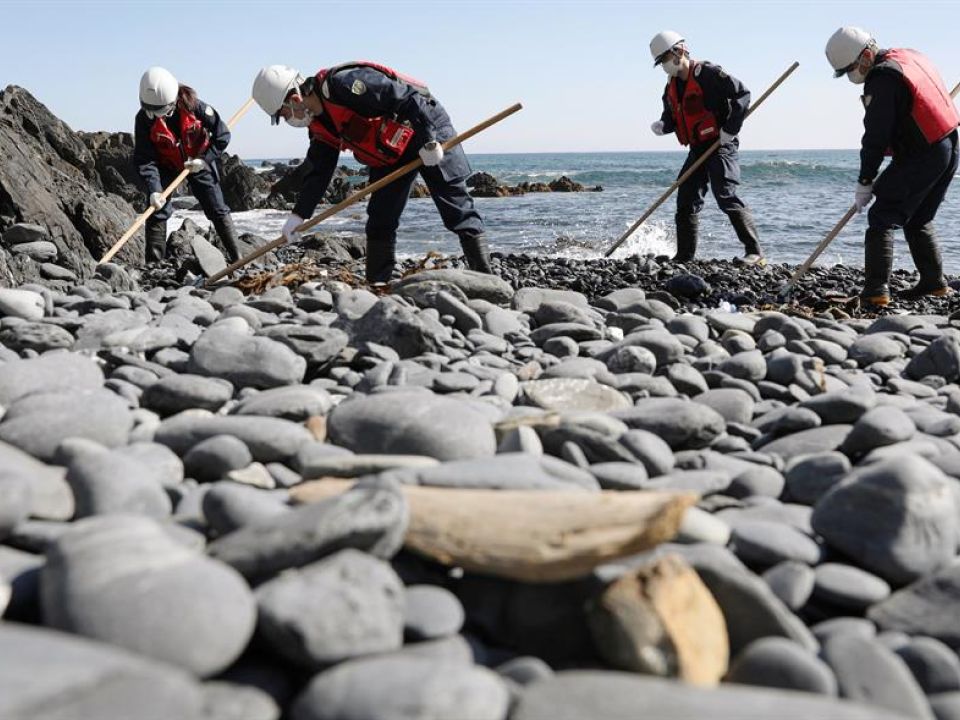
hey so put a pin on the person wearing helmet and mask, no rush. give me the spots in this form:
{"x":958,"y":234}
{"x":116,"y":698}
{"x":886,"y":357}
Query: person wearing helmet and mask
{"x":386,"y":120}
{"x":702,"y":104}
{"x":174,"y":130}
{"x":907,"y":112}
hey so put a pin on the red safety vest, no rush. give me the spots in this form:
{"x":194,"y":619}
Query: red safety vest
{"x":171,"y":151}
{"x":933,"y":110}
{"x":695,"y":124}
{"x":374,"y":141}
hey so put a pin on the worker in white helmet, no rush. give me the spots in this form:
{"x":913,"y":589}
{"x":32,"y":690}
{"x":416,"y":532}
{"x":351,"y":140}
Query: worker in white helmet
{"x":175,"y":130}
{"x":909,"y":113}
{"x":702,"y":104}
{"x":386,"y":119}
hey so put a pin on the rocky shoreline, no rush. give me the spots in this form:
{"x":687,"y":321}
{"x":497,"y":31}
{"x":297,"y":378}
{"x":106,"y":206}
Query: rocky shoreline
{"x":574,"y":489}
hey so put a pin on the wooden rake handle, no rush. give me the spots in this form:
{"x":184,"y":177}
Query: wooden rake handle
{"x":362,"y":193}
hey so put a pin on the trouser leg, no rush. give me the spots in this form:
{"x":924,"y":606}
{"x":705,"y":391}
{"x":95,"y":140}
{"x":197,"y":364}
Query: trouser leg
{"x":877,"y":265}
{"x":689,"y":204}
{"x":746,"y":229}
{"x":383,"y":219}
{"x":687,"y":229}
{"x":227,"y":232}
{"x":155,"y":240}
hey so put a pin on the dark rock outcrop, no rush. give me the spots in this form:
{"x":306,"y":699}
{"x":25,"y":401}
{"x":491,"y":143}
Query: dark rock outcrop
{"x":49,"y":177}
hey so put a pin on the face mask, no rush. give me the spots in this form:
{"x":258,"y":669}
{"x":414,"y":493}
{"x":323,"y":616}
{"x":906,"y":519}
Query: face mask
{"x":856,"y":77}
{"x":301,"y":122}
{"x":671,"y":66}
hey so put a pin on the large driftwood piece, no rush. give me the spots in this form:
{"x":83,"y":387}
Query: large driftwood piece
{"x":534,"y":536}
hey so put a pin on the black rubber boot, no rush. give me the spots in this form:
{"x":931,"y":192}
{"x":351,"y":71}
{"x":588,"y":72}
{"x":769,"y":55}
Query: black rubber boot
{"x":227,"y":233}
{"x":155,"y":245}
{"x":877,"y":265}
{"x":926,"y":257}
{"x":746,"y":229}
{"x":687,"y":227}
{"x":476,"y":252}
{"x":381,"y":259}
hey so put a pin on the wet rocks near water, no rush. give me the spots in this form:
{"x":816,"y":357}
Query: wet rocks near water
{"x":484,"y":184}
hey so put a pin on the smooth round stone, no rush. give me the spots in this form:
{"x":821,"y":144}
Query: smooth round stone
{"x":268,"y":439}
{"x":402,"y":688}
{"x":869,"y":349}
{"x":945,"y":706}
{"x":430,"y":613}
{"x":371,"y":516}
{"x":211,"y":459}
{"x":703,"y":482}
{"x":296,"y":402}
{"x":750,"y":365}
{"x":235,"y":701}
{"x":24,"y":304}
{"x":48,"y":674}
{"x":608,"y":695}
{"x":734,"y":405}
{"x":856,"y":626}
{"x":684,"y":425}
{"x":343,"y":606}
{"x":38,"y":336}
{"x":926,"y":607}
{"x":757,"y":481}
{"x":562,"y":347}
{"x":700,"y":526}
{"x":175,"y":393}
{"x":878,"y":427}
{"x":125,"y":581}
{"x":38,"y":423}
{"x":868,"y":672}
{"x":841,"y":407}
{"x":764,"y":543}
{"x":525,"y":670}
{"x":783,"y":421}
{"x":399,"y":423}
{"x":792,"y":582}
{"x":455,"y":382}
{"x":650,"y":449}
{"x":619,"y":475}
{"x":810,"y":477}
{"x":807,"y":442}
{"x":686,"y":379}
{"x":244,"y":360}
{"x":573,"y":394}
{"x":228,"y":506}
{"x":521,"y":439}
{"x":781,"y":663}
{"x":107,"y":482}
{"x":934,"y":665}
{"x":849,"y":587}
{"x":897,"y":518}
{"x":161,"y":464}
{"x":632,"y":359}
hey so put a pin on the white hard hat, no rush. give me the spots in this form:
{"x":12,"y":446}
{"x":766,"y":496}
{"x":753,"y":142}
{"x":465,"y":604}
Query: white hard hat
{"x":158,"y":91}
{"x":662,"y":43}
{"x":844,"y":48}
{"x":271,"y":86}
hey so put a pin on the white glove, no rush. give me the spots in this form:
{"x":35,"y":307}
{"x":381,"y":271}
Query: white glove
{"x":290,"y":227}
{"x":862,"y":196}
{"x":195,"y":165}
{"x":157,"y":201}
{"x":726,"y":138}
{"x":657,"y":127}
{"x":431,"y":153}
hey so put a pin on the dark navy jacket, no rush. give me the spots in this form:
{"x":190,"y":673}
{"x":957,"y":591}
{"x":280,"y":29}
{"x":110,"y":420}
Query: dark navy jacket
{"x":887,"y":124}
{"x":723,"y":95}
{"x":370,"y":93}
{"x":145,"y":157}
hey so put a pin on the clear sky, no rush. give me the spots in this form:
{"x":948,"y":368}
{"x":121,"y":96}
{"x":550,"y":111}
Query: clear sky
{"x":581,"y":68}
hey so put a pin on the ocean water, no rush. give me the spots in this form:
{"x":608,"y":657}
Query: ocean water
{"x":796,"y":196}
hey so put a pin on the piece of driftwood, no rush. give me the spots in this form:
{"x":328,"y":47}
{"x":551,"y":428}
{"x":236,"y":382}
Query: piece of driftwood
{"x":662,"y":620}
{"x":529,"y":535}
